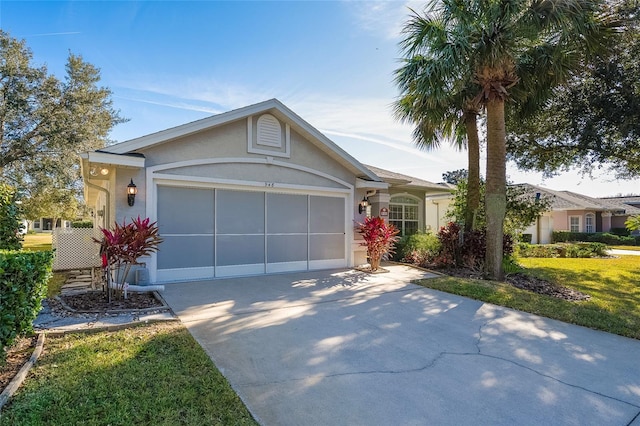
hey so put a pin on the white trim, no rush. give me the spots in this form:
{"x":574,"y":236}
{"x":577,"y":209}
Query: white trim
{"x":269,"y":131}
{"x":167,"y":275}
{"x":316,"y":137}
{"x":253,"y":150}
{"x":593,"y":222}
{"x":361,"y":183}
{"x":420,"y":203}
{"x":579,"y":222}
{"x":153,"y":172}
{"x":113,"y":159}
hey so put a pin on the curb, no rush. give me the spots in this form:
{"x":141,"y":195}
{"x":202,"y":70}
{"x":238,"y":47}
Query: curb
{"x":22,"y":374}
{"x":114,"y":327}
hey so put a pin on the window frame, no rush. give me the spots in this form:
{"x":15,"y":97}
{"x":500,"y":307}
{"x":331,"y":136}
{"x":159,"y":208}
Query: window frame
{"x":571,"y":224}
{"x":404,"y":220}
{"x":587,"y":218}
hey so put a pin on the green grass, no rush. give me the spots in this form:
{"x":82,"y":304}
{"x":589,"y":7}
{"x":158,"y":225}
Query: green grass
{"x":147,"y":375}
{"x":613,"y":284}
{"x":37,"y":242}
{"x":633,"y":248}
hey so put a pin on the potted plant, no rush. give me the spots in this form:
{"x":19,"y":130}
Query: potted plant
{"x":122,"y":247}
{"x":379,"y":237}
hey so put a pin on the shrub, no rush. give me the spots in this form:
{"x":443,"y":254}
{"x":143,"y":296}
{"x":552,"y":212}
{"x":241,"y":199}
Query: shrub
{"x":567,"y":236}
{"x":597,"y":237}
{"x":575,"y":250}
{"x":10,"y":225}
{"x":379,"y":237}
{"x":621,"y":232}
{"x":538,"y":250}
{"x":122,"y":247}
{"x":526,"y":238}
{"x":608,"y":238}
{"x":425,"y":244}
{"x":82,"y":224}
{"x":23,"y":285}
{"x":468,"y":249}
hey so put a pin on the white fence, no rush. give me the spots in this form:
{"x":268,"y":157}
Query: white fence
{"x":75,"y":248}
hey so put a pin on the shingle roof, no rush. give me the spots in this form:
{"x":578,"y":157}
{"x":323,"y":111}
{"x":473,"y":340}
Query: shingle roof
{"x":398,"y":179}
{"x":567,"y":200}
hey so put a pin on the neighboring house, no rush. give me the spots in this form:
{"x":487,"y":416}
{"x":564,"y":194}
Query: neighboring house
{"x":45,"y":224}
{"x":252,"y":191}
{"x":575,"y":212}
{"x":624,"y":203}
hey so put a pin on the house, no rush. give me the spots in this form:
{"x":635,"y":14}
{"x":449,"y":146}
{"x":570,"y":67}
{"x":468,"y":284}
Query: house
{"x":252,"y":191}
{"x":416,"y":204}
{"x":575,"y":212}
{"x":45,"y":224}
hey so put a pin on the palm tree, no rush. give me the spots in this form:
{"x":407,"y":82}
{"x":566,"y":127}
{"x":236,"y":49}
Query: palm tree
{"x":439,"y":110}
{"x":507,"y":48}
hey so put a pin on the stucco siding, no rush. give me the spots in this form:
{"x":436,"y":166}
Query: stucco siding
{"x":228,"y":141}
{"x":255,"y":172}
{"x":124,"y":212}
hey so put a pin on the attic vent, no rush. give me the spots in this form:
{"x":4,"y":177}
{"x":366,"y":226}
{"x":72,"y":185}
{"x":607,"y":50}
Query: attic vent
{"x":269,"y":131}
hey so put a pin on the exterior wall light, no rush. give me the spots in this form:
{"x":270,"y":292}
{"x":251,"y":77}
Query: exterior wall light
{"x":363,"y":205}
{"x":131,"y":193}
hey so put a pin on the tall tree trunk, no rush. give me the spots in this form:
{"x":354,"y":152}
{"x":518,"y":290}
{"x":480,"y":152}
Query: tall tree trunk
{"x":495,"y":194}
{"x":473,"y":178}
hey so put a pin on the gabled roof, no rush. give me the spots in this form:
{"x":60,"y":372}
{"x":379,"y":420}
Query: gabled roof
{"x":272,"y":106}
{"x":405,"y":181}
{"x":634,"y":200}
{"x":567,"y":200}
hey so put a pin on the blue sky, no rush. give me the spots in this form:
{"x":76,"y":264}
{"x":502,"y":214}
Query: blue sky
{"x":332,"y":62}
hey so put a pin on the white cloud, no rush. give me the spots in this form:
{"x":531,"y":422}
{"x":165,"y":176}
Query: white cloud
{"x":385,"y":18}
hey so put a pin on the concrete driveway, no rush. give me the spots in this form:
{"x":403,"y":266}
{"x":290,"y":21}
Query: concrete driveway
{"x":348,"y":348}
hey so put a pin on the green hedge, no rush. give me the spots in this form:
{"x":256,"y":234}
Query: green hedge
{"x":574,"y":250}
{"x":82,"y":224}
{"x":23,"y":285}
{"x":596,"y":237}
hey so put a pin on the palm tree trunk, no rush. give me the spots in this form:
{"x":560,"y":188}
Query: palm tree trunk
{"x":495,"y":195}
{"x":473,"y":178}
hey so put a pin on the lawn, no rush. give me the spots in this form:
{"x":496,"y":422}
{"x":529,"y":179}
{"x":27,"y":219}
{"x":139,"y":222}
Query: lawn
{"x":633,"y":248}
{"x":152,"y":374}
{"x":37,"y":242}
{"x":614,"y":286}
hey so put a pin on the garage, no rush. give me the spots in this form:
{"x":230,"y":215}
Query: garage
{"x":221,"y":232}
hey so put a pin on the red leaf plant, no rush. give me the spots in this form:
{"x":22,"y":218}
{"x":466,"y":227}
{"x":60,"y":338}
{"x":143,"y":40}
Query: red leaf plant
{"x":123,"y":246}
{"x":379,"y":237}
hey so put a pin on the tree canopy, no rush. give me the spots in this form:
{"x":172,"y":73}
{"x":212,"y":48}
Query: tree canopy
{"x":509,"y":50}
{"x":593,"y":120}
{"x":46,"y":122}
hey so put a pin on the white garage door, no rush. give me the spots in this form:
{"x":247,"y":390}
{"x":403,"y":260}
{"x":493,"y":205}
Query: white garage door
{"x":219,"y":232}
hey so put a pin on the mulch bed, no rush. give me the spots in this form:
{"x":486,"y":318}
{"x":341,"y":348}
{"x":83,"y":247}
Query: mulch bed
{"x":97,"y":301}
{"x":17,"y":356}
{"x":526,"y":282}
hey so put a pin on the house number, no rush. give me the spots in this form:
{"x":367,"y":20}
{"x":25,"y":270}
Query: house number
{"x":269,"y":184}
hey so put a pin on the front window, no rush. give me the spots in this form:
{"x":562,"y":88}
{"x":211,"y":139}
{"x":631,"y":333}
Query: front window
{"x":589,"y":223}
{"x":403,"y":214}
{"x":574,"y":223}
